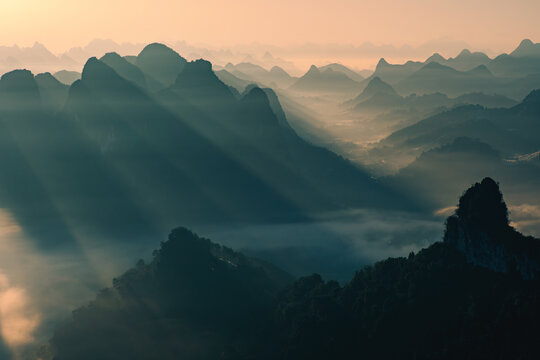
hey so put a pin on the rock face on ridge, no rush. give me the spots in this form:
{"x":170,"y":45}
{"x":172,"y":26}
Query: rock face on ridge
{"x":480,"y":229}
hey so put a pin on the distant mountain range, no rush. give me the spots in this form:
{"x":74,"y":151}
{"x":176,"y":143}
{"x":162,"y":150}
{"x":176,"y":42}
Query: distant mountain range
{"x":381,"y":96}
{"x":512,"y":75}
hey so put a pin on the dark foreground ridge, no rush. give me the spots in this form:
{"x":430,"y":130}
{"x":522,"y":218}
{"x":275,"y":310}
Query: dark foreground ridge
{"x":199,"y":300}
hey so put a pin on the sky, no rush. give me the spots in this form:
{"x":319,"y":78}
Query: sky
{"x":496,"y":25}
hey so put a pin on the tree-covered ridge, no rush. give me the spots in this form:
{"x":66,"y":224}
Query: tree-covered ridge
{"x":199,"y":300}
{"x":195,"y":300}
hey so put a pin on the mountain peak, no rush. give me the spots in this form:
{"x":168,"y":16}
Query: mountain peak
{"x":436,"y":57}
{"x":313,"y":70}
{"x":480,"y":230}
{"x":483,"y":206}
{"x":93,"y":67}
{"x":464,"y":52}
{"x":382,"y":62}
{"x":378,"y":85}
{"x":200,"y":69}
{"x":18,"y":89}
{"x":18,"y":81}
{"x":526,"y":43}
{"x":481,"y":70}
{"x":526,"y":49}
{"x":161,"y":63}
{"x":533,"y":97}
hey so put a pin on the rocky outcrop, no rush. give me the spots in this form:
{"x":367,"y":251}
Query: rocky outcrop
{"x":480,"y":229}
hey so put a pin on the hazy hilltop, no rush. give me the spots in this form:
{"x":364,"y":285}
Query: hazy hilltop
{"x":327,"y":81}
{"x":464,"y":61}
{"x":275,"y":77}
{"x":201,"y":300}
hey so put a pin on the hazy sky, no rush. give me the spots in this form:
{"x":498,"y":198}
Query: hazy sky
{"x":59,"y":24}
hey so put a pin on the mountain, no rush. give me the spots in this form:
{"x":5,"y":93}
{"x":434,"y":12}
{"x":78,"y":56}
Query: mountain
{"x":194,"y":300}
{"x":142,"y":140}
{"x":522,"y":62}
{"x":480,"y":229}
{"x":193,"y":151}
{"x":343,"y":69}
{"x":160,"y":63}
{"x":326,"y":81}
{"x":125,"y":69}
{"x":467,"y":60}
{"x":434,"y":77}
{"x":37,"y":58}
{"x":436,"y":57}
{"x":393,"y":74}
{"x":67,"y":77}
{"x":512,"y":131}
{"x":374,"y":86}
{"x":276,"y":77}
{"x":232,"y":80}
{"x":386,"y":101}
{"x":53,"y":92}
{"x":508,"y":75}
{"x":527,"y":49}
{"x":439,"y":175}
{"x":464,"y":61}
{"x":474,"y":294}
{"x":253,"y":132}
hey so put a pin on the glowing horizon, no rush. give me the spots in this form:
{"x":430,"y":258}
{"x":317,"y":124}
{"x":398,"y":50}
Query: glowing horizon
{"x":60,"y":24}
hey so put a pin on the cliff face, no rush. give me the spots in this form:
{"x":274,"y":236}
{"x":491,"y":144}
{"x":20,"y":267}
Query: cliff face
{"x":480,"y":229}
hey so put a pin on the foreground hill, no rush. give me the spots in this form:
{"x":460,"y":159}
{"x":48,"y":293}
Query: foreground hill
{"x":195,"y":300}
{"x":474,"y":295}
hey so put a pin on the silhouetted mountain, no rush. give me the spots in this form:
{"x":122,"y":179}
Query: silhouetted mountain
{"x":436,"y":57}
{"x":232,"y":80}
{"x":276,"y":77}
{"x":393,"y":74}
{"x":375,"y":86}
{"x":125,"y":69}
{"x":439,"y":175}
{"x":434,"y":77}
{"x":343,"y":69}
{"x":380,"y":98}
{"x":464,"y":61}
{"x":67,"y":77}
{"x":527,"y":49}
{"x":144,"y":141}
{"x":511,"y":131}
{"x":255,"y":132}
{"x":161,"y":64}
{"x":327,"y":81}
{"x":223,"y":158}
{"x":480,"y":229}
{"x":522,"y":62}
{"x":195,"y":300}
{"x":18,"y":89}
{"x":53,"y":93}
